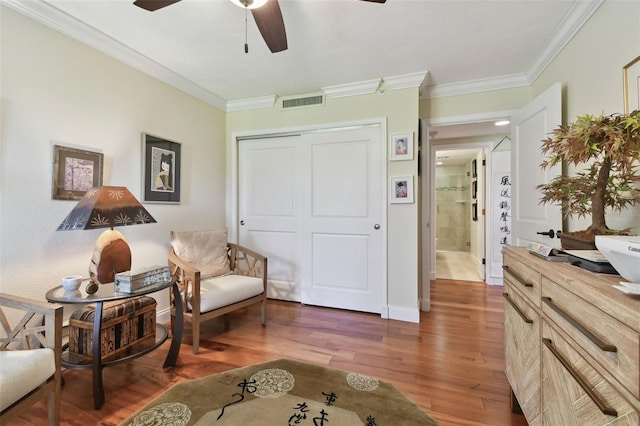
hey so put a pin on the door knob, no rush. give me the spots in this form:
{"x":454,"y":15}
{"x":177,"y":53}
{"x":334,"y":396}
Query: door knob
{"x":376,"y":226}
{"x":242,"y":222}
{"x":550,"y":233}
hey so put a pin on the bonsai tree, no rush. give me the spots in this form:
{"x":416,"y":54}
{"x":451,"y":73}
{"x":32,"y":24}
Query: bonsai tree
{"x":610,"y":147}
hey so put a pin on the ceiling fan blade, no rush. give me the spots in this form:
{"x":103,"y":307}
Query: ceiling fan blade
{"x":271,"y":25}
{"x":376,"y":1}
{"x":152,"y":5}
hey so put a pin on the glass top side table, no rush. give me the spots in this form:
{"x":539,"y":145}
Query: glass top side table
{"x":107,"y":293}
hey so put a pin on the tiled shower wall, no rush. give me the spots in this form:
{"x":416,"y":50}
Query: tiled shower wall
{"x":453,"y":204}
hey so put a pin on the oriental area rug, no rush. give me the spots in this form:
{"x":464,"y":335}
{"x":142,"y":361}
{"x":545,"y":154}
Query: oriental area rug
{"x":282,"y":392}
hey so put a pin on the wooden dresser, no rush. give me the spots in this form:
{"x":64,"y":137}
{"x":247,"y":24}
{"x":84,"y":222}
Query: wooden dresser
{"x":572,"y":343}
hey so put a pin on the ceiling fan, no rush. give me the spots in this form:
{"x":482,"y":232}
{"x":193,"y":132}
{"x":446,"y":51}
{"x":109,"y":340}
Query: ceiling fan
{"x":268,"y":18}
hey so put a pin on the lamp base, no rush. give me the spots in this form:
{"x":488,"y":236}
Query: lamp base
{"x":111,"y":255}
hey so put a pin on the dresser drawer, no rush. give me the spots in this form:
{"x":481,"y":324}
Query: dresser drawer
{"x":523,"y":278}
{"x":574,"y":392}
{"x":522,"y":352}
{"x":611,"y":343}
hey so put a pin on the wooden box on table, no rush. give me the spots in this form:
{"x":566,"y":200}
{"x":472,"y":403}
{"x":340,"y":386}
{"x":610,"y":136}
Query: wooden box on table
{"x":124,"y":324}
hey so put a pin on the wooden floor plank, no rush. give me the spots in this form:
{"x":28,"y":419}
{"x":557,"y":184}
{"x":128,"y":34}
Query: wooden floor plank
{"x":451,"y":364}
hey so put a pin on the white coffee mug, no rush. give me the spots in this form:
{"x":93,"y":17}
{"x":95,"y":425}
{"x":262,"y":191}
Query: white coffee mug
{"x":72,"y":282}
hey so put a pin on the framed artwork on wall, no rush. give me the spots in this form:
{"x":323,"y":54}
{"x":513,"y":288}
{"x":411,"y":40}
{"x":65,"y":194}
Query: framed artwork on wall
{"x":74,"y":172}
{"x":631,"y":85}
{"x":401,"y":146}
{"x":401,"y":188}
{"x":160,"y":170}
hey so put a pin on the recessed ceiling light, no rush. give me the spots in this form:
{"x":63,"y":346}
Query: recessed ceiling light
{"x":502,"y":122}
{"x":439,"y":163}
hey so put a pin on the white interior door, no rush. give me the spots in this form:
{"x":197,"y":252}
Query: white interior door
{"x":269,"y":208}
{"x":345,"y":221}
{"x":530,"y":126}
{"x":314,"y":205}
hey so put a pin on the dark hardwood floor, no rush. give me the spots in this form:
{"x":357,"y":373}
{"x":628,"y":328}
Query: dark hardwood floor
{"x":451,"y":364}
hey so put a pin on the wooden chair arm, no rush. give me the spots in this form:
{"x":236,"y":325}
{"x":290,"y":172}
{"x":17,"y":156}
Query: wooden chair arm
{"x":48,"y":333}
{"x":187,"y":275}
{"x":244,"y":261}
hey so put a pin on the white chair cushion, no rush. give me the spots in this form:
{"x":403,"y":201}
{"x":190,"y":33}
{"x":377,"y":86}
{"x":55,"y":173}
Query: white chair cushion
{"x":206,"y":250}
{"x":222,"y":291}
{"x":22,"y":371}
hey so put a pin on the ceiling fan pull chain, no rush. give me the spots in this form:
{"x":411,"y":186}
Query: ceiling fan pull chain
{"x":246,"y":45}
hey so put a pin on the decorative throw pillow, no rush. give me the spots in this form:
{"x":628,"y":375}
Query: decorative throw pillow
{"x":206,"y":250}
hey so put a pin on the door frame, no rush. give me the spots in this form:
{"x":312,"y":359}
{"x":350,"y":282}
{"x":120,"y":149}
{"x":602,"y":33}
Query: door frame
{"x":232,"y":202}
{"x":428,"y":256}
{"x":485,"y":148}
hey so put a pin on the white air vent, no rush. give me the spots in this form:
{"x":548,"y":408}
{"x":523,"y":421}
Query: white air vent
{"x":302,"y":101}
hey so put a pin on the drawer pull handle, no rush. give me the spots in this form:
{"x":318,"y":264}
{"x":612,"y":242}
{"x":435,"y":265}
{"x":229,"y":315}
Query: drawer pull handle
{"x":606,"y":347}
{"x":582,"y":382}
{"x":517,"y":277}
{"x":517,"y":309}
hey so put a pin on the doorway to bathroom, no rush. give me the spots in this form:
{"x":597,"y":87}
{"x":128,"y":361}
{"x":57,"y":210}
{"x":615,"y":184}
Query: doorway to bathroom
{"x":459,"y":223}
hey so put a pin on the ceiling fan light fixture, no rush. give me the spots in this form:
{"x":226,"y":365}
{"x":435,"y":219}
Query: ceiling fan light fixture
{"x":249,"y":4}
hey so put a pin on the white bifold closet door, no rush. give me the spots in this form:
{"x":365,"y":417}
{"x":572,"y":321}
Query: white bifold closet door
{"x":313,"y":203}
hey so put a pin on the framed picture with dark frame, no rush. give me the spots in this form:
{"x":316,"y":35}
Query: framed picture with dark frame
{"x":474,"y":169}
{"x":160,"y":170}
{"x":74,"y":172}
{"x":474,"y":212}
{"x":474,"y":189}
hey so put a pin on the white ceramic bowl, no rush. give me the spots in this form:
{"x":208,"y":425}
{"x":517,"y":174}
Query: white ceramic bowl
{"x":72,"y":282}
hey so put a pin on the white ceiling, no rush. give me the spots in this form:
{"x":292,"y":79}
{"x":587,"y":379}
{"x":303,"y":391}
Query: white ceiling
{"x":457,"y":157}
{"x":198,"y":45}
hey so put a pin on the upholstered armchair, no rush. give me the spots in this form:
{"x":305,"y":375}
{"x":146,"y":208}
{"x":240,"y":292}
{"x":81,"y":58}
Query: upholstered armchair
{"x":30,"y":350}
{"x":215,"y":277}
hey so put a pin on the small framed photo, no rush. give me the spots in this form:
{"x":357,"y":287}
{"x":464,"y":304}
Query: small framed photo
{"x":401,"y":188}
{"x":474,"y":189}
{"x":160,"y":170}
{"x":401,"y":146}
{"x":474,"y":169}
{"x":631,"y":85}
{"x":75,"y":171}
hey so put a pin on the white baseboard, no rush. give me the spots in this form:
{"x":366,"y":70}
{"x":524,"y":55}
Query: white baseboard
{"x":402,"y":313}
{"x":163,"y":316}
{"x":399,"y":313}
{"x":495,"y":281}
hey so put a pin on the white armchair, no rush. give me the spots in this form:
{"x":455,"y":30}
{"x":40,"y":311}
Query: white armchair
{"x":30,"y":350}
{"x":215,"y":277}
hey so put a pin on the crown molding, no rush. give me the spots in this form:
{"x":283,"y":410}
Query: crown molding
{"x":52,"y":17}
{"x":339,"y":91}
{"x":352,"y":89}
{"x":571,"y":24}
{"x":251,"y":103}
{"x":475,"y":86}
{"x":405,"y":81}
